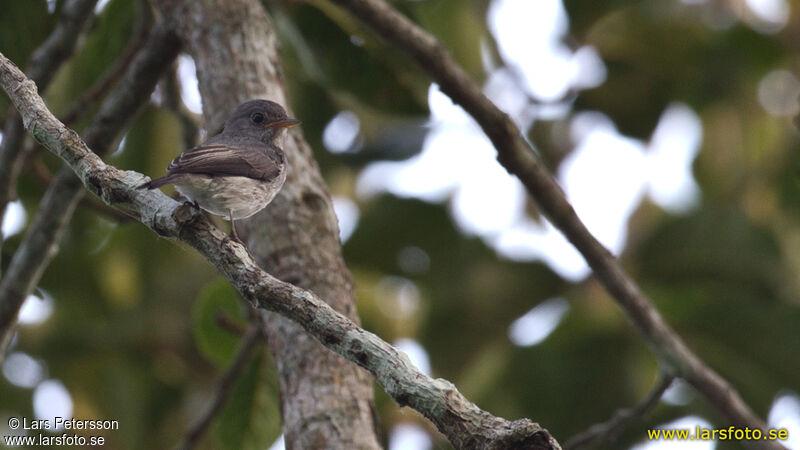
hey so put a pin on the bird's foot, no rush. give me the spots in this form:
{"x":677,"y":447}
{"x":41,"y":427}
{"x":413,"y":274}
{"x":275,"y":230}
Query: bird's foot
{"x":233,"y":238}
{"x":192,"y":203}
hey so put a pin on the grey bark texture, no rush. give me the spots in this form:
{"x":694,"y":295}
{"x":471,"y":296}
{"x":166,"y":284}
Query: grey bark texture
{"x":462,"y":422}
{"x":326,"y":401}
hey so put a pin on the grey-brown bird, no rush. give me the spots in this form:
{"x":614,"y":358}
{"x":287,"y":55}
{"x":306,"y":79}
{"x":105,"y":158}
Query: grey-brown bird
{"x":238,"y":172}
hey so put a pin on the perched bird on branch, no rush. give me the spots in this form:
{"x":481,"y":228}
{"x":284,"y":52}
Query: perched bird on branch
{"x":238,"y":172}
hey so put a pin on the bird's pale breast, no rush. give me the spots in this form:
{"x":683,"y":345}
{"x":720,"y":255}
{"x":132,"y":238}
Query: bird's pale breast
{"x":219,"y":194}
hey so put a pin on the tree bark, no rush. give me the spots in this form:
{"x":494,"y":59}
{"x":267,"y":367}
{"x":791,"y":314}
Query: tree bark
{"x":326,"y":401}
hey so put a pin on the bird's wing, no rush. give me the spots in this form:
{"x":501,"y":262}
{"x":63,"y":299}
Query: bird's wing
{"x":224,"y":160}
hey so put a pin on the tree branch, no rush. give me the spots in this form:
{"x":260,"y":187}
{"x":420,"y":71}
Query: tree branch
{"x":43,"y":65}
{"x":607,"y":432}
{"x":40,"y":243}
{"x":514,"y":153}
{"x":99,"y":88}
{"x":466,"y":425}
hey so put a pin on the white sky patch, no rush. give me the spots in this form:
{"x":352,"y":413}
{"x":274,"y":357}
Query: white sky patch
{"x":341,"y":132}
{"x":13,"y":219}
{"x":50,"y":400}
{"x":408,"y":436}
{"x":348,"y":213}
{"x":679,"y":393}
{"x":529,"y":241}
{"x":35,"y":310}
{"x":99,"y":7}
{"x":280,"y":444}
{"x":190,"y":91}
{"x":22,"y":370}
{"x":416,"y":353}
{"x":774,"y":12}
{"x":605,"y":177}
{"x":689,"y":422}
{"x":538,"y":323}
{"x":121,"y":146}
{"x":529,"y":37}
{"x":785,"y":413}
{"x":589,"y":69}
{"x":778,"y":93}
{"x":671,"y":152}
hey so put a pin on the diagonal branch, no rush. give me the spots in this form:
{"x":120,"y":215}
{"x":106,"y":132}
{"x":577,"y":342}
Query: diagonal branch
{"x":608,"y":431}
{"x":144,"y":21}
{"x":40,"y":243}
{"x":514,"y":153}
{"x":44,"y":63}
{"x":464,"y":424}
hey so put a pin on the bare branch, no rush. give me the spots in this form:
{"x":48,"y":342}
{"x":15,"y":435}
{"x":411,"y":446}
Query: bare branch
{"x":103,"y":84}
{"x":608,"y":432}
{"x":466,"y":425}
{"x":514,"y":153}
{"x":43,"y":174}
{"x":40,"y":243}
{"x":224,"y":386}
{"x":44,"y":63}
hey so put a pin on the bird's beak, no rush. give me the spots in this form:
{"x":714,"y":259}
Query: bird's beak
{"x":283,"y":123}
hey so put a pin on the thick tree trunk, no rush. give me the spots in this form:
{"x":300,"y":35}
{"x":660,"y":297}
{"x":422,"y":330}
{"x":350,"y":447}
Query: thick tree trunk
{"x":326,"y":401}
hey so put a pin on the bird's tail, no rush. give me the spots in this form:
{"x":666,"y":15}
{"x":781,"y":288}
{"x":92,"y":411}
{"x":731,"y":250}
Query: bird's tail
{"x":158,"y":182}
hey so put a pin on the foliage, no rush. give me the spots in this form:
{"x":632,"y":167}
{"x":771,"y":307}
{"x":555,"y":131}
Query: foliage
{"x":133,"y":336}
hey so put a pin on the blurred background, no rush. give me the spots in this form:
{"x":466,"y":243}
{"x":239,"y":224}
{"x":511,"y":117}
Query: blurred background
{"x":668,"y":123}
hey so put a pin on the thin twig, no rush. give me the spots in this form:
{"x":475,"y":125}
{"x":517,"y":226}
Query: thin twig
{"x":224,"y":386}
{"x":464,"y":424}
{"x":101,"y":86}
{"x":516,"y":155}
{"x":608,"y":432}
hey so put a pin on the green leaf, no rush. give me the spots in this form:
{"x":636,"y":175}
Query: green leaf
{"x":217,"y":299}
{"x":251,"y":418}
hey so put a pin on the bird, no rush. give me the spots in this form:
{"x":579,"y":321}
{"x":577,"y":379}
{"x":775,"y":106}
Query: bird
{"x":238,"y":172}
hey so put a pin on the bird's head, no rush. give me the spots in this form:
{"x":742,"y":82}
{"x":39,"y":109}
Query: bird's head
{"x":262,"y":119}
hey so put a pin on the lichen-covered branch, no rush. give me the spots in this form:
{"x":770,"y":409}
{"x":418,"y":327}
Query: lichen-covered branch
{"x":40,"y":243}
{"x":465,"y":425}
{"x":514,"y":153}
{"x":44,"y":63}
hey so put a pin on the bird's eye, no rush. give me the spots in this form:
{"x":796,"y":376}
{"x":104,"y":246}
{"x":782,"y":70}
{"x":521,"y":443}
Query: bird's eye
{"x":257,"y":118}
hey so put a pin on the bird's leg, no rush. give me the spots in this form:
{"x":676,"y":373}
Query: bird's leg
{"x":234,"y":235}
